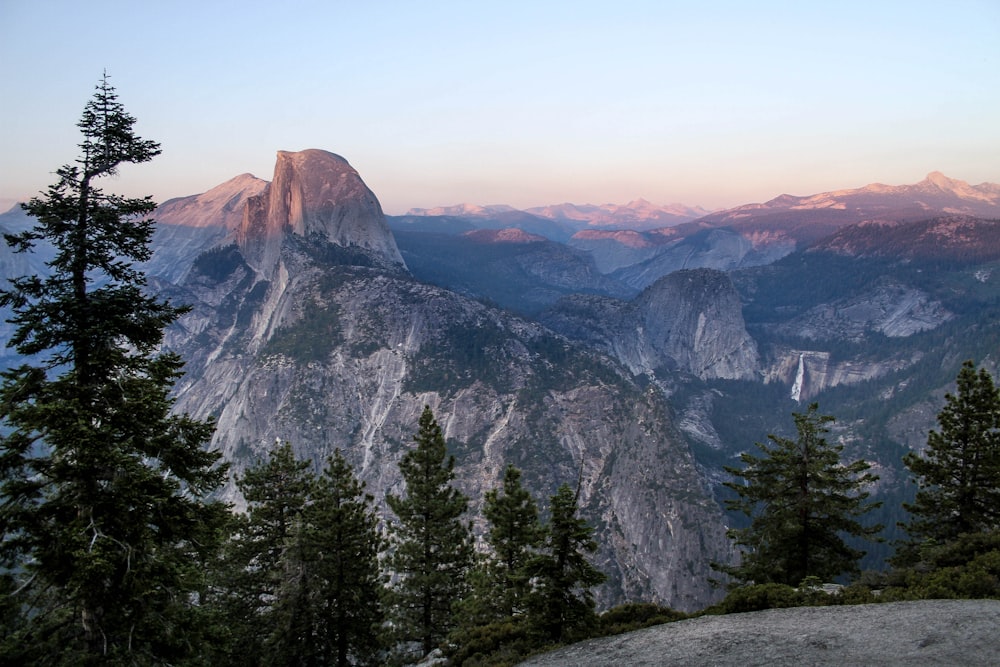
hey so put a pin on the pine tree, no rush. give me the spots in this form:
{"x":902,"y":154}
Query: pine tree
{"x":276,"y":492}
{"x":431,"y":546}
{"x":958,"y":475}
{"x":514,"y":534}
{"x":500,"y":582}
{"x":103,"y":513}
{"x":338,"y":553}
{"x":803,"y":503}
{"x":562,"y":601}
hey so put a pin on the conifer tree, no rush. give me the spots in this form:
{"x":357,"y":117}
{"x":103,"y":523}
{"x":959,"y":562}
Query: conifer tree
{"x":803,"y":502}
{"x":431,"y":546}
{"x":276,"y":493}
{"x":958,"y":475}
{"x":500,"y":582}
{"x":514,"y":534}
{"x":104,"y":514}
{"x":562,"y":601}
{"x":339,"y":556}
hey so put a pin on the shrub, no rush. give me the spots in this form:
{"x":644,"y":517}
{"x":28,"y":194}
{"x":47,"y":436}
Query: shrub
{"x":634,"y":616}
{"x":759,"y":597}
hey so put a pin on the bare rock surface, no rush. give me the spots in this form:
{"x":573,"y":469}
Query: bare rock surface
{"x":926,"y":632}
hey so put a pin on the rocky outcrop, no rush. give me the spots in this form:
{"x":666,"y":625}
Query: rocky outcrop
{"x":887,"y":307}
{"x":808,"y":372}
{"x":314,"y":195}
{"x":721,"y":249}
{"x":925,"y":632}
{"x":689,"y":321}
{"x":694,"y":318}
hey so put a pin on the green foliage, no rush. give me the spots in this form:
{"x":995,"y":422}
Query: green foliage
{"x":802,"y":501}
{"x":460,"y":354}
{"x":635,"y":616}
{"x":311,"y":338}
{"x":431,"y":546}
{"x":958,"y":475}
{"x":492,"y":615}
{"x":302,"y":583}
{"x":514,"y":534}
{"x":758,"y":597}
{"x":104,"y":516}
{"x":967,"y":566}
{"x":496,"y":644}
{"x":561,"y":604}
{"x":218,"y":263}
{"x":327,"y":608}
{"x":276,"y":493}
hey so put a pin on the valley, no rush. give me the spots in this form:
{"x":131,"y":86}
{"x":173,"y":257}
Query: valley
{"x":632,"y":349}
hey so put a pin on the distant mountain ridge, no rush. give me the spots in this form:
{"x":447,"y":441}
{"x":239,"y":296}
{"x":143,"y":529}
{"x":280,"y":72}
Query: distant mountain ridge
{"x":952,"y":237}
{"x":637,"y":214}
{"x":934,"y":195}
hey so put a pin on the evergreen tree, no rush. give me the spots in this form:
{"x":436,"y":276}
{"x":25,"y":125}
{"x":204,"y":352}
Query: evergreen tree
{"x":514,"y":534}
{"x":803,"y":502}
{"x":276,"y":493}
{"x":499,"y":582}
{"x":958,"y":475}
{"x":340,"y":554}
{"x":562,"y":601}
{"x":103,"y":515}
{"x":432,"y":548}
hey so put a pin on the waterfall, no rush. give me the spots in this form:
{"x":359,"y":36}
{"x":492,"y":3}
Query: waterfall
{"x":799,"y":376}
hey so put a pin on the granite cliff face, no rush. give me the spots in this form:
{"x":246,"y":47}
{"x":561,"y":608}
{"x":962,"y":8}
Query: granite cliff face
{"x":689,"y":321}
{"x":309,"y":329}
{"x":314,"y":195}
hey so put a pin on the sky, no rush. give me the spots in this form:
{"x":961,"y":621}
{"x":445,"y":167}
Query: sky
{"x":708,"y":103}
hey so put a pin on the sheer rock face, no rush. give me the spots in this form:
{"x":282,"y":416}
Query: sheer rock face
{"x":695,"y":318}
{"x":689,"y":321}
{"x":314,"y":194}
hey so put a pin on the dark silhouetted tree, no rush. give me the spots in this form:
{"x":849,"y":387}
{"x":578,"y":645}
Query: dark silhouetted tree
{"x":104,"y":514}
{"x":562,"y":601}
{"x":276,"y":493}
{"x":958,"y":475}
{"x":514,"y":534}
{"x":431,"y":546}
{"x":803,"y":503}
{"x":328,"y":610}
{"x":500,"y":582}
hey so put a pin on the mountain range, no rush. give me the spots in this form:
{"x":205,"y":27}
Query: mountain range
{"x":634,"y":350}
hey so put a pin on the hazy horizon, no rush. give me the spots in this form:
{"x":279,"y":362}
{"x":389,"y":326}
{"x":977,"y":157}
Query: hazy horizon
{"x":524,"y":104}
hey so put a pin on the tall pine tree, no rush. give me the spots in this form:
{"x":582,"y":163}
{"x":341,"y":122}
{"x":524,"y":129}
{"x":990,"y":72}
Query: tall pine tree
{"x":500,"y":582}
{"x":276,"y":493}
{"x":329,"y":610}
{"x":103,"y":510}
{"x":958,"y":475}
{"x":562,"y":601}
{"x":803,"y":503}
{"x":431,"y":546}
{"x":514,"y":534}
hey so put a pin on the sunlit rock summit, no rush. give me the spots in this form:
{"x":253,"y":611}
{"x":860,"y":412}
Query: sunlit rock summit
{"x":315,"y":195}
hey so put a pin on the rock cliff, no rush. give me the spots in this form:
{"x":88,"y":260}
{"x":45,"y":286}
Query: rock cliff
{"x":314,"y":194}
{"x":689,"y":321}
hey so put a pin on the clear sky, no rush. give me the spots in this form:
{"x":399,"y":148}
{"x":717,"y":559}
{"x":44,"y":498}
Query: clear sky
{"x":704,"y":102}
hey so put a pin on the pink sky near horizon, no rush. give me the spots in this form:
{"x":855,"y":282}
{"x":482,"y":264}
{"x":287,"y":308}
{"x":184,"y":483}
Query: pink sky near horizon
{"x":711,"y":104}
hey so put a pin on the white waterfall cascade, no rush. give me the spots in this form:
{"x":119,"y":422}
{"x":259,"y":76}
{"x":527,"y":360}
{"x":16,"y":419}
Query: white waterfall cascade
{"x":799,"y":377}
